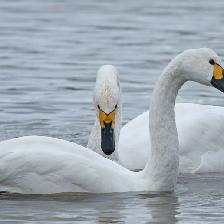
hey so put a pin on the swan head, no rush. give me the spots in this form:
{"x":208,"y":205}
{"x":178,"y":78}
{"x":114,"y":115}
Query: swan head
{"x":107,"y":104}
{"x":202,"y":65}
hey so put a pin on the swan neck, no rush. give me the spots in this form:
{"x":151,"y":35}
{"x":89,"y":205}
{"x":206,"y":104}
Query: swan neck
{"x":164,"y":161}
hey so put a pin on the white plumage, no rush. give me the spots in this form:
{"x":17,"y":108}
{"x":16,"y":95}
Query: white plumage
{"x":107,"y":94}
{"x":200,"y":129}
{"x":49,"y":165}
{"x":38,"y":164}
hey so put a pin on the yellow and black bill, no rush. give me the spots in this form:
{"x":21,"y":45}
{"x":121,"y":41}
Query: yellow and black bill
{"x":218,"y":77}
{"x":107,"y":122}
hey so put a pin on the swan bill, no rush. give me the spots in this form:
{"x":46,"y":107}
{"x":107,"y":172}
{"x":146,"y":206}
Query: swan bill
{"x":218,"y":78}
{"x":107,"y":122}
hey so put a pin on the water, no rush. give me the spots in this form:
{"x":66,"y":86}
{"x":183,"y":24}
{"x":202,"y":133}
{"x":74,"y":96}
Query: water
{"x":198,"y":199}
{"x":49,"y":54}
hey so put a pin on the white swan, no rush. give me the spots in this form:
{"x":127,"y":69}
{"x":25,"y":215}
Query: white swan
{"x":198,"y":126}
{"x":105,"y":133}
{"x":52,"y":165}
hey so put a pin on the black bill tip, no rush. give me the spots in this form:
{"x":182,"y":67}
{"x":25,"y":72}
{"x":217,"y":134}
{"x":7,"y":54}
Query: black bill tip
{"x":107,"y":139}
{"x":218,"y":84}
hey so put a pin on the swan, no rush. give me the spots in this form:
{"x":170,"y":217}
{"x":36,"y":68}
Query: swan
{"x":31,"y":166}
{"x":105,"y":132}
{"x":198,"y":129}
{"x":199,"y":146}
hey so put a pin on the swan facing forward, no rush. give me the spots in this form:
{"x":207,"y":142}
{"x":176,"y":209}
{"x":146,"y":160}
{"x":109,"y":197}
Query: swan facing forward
{"x":105,"y":133}
{"x":55,"y":165}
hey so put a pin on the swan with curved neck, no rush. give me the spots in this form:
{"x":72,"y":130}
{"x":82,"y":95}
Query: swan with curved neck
{"x":54,"y":165}
{"x":202,"y":66}
{"x":198,"y":127}
{"x":105,"y":133}
{"x":198,"y":153}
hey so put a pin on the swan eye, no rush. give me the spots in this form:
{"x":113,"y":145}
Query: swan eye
{"x":98,"y":107}
{"x":116,"y":106}
{"x":211,"y":61}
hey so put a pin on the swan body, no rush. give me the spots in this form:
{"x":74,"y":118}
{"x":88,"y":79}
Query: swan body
{"x":42,"y":165}
{"x":28,"y":165}
{"x":199,"y":127}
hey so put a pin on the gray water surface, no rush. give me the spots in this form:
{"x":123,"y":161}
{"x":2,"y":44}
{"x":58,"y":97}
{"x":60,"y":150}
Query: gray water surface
{"x":198,"y":199}
{"x":49,"y":54}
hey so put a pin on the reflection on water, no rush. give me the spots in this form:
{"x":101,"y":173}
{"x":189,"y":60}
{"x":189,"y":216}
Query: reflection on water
{"x":198,"y":199}
{"x":108,"y":208}
{"x":49,"y":54}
